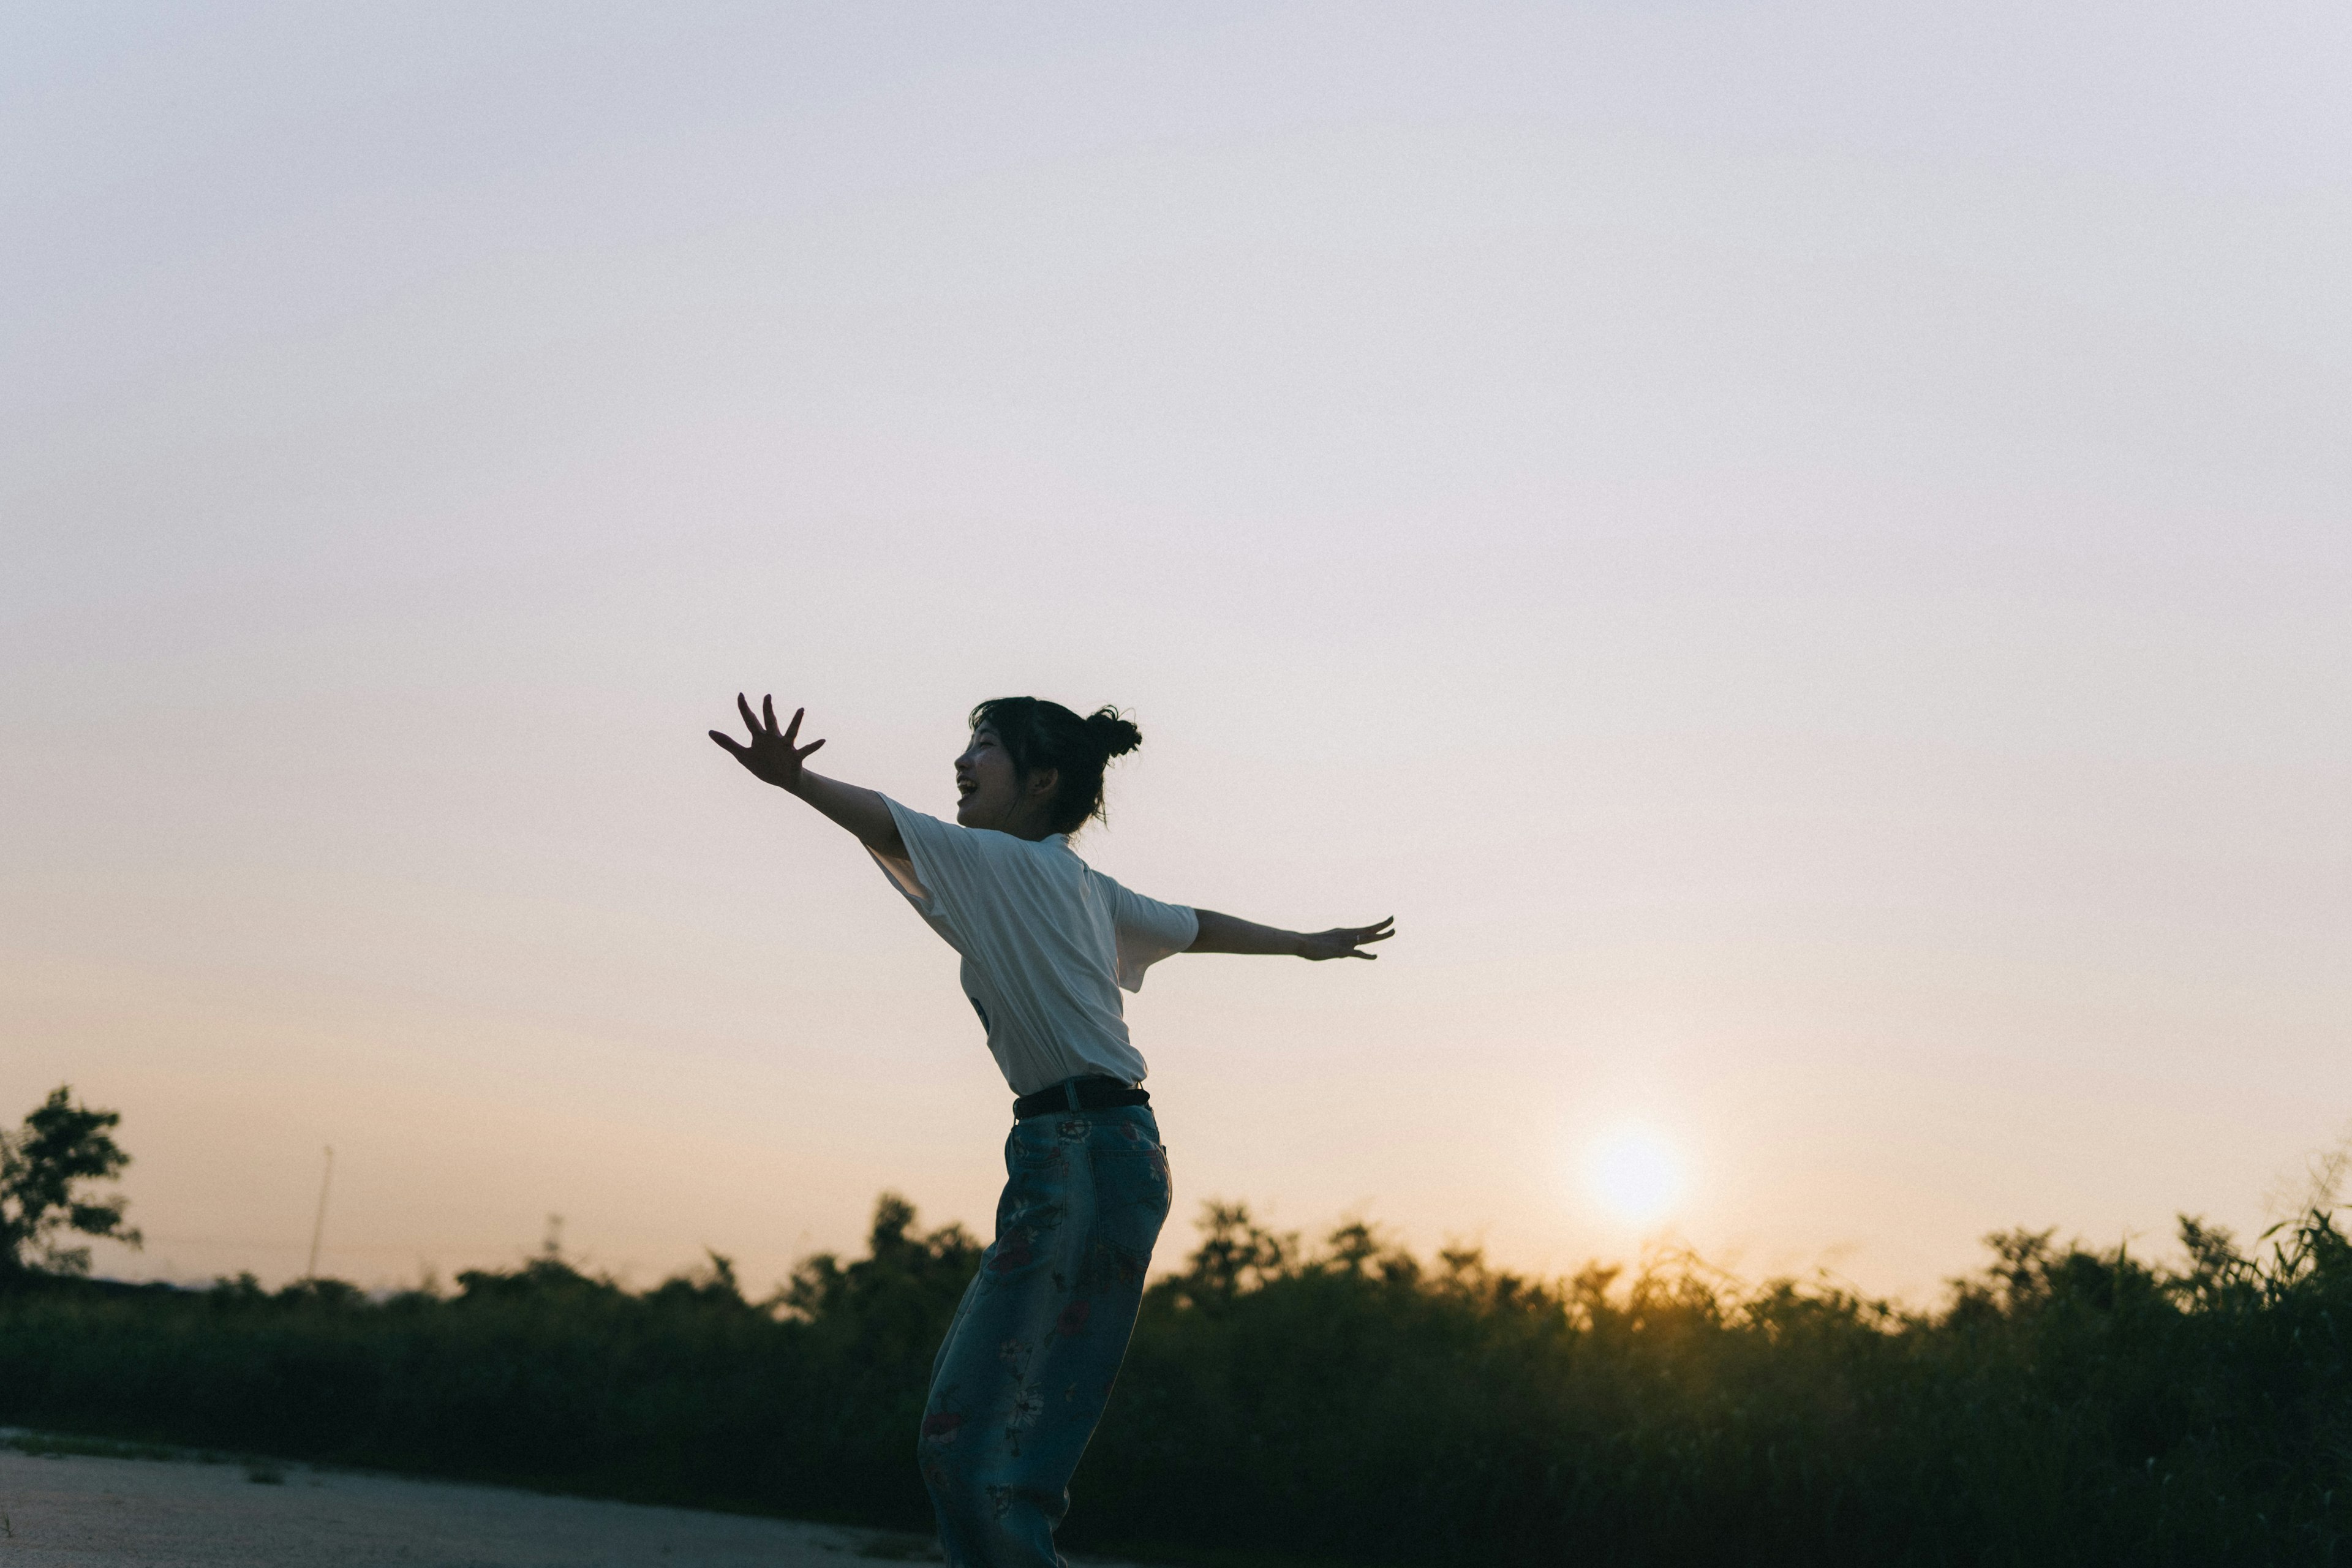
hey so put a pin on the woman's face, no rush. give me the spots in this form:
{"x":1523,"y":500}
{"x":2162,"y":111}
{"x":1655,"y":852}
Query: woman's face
{"x":987,"y":787}
{"x":990,"y":793}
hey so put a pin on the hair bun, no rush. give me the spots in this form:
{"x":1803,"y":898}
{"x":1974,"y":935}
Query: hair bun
{"x":1116,"y":736}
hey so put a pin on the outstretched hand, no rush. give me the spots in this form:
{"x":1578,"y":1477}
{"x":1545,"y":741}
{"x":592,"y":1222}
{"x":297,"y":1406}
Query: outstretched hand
{"x":1345,"y":941}
{"x":772,"y":755}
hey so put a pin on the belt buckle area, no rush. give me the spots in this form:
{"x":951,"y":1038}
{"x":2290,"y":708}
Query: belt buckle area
{"x":1075,"y":1096}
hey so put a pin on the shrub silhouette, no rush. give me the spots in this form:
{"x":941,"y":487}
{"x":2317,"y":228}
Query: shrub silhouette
{"x":1350,"y":1402}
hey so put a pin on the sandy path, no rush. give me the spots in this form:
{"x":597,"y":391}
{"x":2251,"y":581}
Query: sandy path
{"x":82,"y":1512}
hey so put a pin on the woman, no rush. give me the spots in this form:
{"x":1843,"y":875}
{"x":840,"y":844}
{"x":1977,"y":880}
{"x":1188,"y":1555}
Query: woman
{"x":1048,"y":942}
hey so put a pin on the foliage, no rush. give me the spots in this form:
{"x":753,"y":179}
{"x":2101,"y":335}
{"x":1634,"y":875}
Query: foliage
{"x":43,"y":1168}
{"x":1347,"y":1402}
{"x":2068,"y":1406}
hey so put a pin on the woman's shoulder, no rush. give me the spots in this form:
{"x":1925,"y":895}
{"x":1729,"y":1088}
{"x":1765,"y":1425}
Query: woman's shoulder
{"x":1049,"y":856}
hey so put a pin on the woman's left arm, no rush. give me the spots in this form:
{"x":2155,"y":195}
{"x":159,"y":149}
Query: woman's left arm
{"x":1224,"y":933}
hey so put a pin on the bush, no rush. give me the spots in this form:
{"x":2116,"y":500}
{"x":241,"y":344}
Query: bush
{"x":541,"y":1377}
{"x":1351,"y":1403}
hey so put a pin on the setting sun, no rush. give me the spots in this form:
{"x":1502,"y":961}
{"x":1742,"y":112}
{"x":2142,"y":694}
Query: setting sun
{"x":1634,"y":1175}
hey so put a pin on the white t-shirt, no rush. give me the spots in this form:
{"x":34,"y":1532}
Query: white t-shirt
{"x":1047,"y":940}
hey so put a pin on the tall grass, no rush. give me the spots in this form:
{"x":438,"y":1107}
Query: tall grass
{"x":1348,"y":1403}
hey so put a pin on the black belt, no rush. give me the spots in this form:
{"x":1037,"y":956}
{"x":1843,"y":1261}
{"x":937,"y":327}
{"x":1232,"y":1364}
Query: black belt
{"x":1078,"y":1094}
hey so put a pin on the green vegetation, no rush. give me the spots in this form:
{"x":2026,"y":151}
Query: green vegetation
{"x":1348,"y":1403}
{"x":1351,"y":1403}
{"x":45,"y":1166}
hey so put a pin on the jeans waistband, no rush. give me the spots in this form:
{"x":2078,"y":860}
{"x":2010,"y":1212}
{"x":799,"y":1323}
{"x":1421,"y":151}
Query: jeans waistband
{"x":1091,"y":1093}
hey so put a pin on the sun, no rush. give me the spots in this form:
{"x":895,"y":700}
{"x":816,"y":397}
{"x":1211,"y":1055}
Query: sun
{"x":1634,"y":1175}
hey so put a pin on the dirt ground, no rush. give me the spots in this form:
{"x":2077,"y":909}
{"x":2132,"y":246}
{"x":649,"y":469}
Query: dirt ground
{"x":78,"y":1511}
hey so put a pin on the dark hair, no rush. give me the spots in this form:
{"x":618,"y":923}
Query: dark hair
{"x":1041,"y":734}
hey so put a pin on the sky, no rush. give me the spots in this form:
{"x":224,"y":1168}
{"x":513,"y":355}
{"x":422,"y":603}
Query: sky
{"x":1802,"y":550}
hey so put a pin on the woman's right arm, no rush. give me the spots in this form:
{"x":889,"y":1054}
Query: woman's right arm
{"x":773,"y":757}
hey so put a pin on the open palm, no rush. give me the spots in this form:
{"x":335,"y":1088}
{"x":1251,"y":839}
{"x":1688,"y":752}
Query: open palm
{"x":772,"y":755}
{"x":1345,"y":941}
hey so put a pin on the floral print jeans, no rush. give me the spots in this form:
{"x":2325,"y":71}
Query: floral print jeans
{"x":1027,"y":1366}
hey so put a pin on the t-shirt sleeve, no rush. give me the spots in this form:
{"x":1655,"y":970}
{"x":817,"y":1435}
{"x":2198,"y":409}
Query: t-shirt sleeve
{"x":1148,"y":931}
{"x":939,"y":867}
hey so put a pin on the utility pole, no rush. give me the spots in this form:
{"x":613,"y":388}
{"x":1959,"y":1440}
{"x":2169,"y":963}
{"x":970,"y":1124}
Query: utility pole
{"x":319,"y":1226}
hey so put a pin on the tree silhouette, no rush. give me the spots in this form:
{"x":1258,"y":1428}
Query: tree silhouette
{"x":60,"y":1146}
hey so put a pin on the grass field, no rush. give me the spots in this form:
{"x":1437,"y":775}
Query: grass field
{"x":1349,"y":1403}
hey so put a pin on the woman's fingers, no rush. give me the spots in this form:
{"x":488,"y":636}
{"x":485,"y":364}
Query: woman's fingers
{"x":1344,"y":942}
{"x":760,"y":755}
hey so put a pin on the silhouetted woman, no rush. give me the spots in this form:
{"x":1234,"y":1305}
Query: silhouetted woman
{"x":1048,"y":942}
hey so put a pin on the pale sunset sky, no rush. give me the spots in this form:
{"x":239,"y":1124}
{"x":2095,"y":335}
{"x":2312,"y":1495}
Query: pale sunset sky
{"x":1802,"y":550}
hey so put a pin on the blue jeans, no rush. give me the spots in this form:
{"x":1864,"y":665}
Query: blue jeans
{"x":1027,"y":1366}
